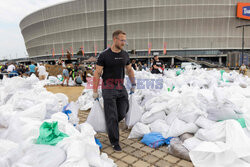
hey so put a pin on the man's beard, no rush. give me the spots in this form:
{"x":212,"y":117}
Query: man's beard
{"x":118,"y":47}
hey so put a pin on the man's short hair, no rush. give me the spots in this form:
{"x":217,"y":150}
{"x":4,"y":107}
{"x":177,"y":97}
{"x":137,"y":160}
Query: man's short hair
{"x":118,"y":32}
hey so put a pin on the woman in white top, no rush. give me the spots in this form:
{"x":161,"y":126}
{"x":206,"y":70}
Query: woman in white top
{"x":42,"y":72}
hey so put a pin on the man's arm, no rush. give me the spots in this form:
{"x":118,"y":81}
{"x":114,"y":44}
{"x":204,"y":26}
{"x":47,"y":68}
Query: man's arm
{"x":131,"y":74}
{"x":96,"y":78}
{"x":155,"y":66}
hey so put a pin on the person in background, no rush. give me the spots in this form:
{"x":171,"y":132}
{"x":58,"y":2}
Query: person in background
{"x":145,"y":67}
{"x":78,"y":79}
{"x":158,"y":66}
{"x":243,"y":69}
{"x":134,"y":65}
{"x":21,"y":70}
{"x":66,"y":75}
{"x":151,"y":64}
{"x":11,"y":68}
{"x":32,"y":68}
{"x":139,"y":67}
{"x":68,"y":55}
{"x":42,"y":72}
{"x":59,"y":62}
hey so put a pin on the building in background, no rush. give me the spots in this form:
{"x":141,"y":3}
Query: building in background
{"x":190,"y":27}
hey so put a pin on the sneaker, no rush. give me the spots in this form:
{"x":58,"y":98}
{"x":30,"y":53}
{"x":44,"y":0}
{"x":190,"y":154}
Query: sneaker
{"x":117,"y":148}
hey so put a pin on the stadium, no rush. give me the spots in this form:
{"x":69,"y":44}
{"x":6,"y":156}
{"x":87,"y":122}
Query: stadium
{"x":205,"y":30}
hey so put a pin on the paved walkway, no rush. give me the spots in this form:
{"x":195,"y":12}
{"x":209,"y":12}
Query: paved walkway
{"x":135,"y":153}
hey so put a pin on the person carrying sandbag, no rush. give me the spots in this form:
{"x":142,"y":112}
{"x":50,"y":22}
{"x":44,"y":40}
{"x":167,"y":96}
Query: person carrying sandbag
{"x":111,"y":64}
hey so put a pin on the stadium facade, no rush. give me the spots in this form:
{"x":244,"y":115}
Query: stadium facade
{"x":201,"y":27}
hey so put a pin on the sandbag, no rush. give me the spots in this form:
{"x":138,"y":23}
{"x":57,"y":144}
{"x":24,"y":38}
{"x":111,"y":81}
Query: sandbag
{"x":203,"y":122}
{"x":49,"y":134}
{"x":159,"y":126}
{"x":71,"y":110}
{"x":216,"y":132}
{"x":41,"y":156}
{"x":191,"y":143}
{"x":134,"y":113}
{"x":139,"y":130}
{"x":96,"y":118}
{"x":185,"y":136}
{"x":178,"y":150}
{"x":178,"y":127}
{"x":148,"y":117}
{"x":231,"y":152}
{"x":155,"y":139}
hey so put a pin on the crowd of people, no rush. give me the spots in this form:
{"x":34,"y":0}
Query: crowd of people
{"x":156,"y":66}
{"x":77,"y":72}
{"x":14,"y":69}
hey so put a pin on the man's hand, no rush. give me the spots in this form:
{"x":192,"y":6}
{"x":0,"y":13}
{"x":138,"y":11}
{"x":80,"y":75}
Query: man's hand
{"x":132,"y":90}
{"x":95,"y":96}
{"x":131,"y":76}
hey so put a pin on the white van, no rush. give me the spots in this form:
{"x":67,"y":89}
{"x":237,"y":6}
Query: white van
{"x":190,"y":65}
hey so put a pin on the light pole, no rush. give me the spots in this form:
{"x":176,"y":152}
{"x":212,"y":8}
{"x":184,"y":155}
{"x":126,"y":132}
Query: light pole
{"x":105,"y":24}
{"x":243,"y":31}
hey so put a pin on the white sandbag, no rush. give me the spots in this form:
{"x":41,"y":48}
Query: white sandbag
{"x":191,"y":143}
{"x":160,"y":126}
{"x":96,"y":118}
{"x":62,"y":99}
{"x":6,"y":146}
{"x":139,"y":130}
{"x":73,"y":116}
{"x":228,"y":153}
{"x":171,"y":117}
{"x":216,"y":132}
{"x":83,"y":149}
{"x":6,"y":112}
{"x":148,"y":117}
{"x":52,"y":103}
{"x":178,"y":127}
{"x":204,"y":123}
{"x":222,"y":113}
{"x":189,"y":116}
{"x":41,"y":156}
{"x":134,"y":113}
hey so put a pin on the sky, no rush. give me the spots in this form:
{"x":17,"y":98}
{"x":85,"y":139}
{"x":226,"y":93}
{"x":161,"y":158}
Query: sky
{"x":11,"y":13}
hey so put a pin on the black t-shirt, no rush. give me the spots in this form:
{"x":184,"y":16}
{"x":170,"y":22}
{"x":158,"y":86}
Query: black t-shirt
{"x":158,"y":63}
{"x":113,"y":65}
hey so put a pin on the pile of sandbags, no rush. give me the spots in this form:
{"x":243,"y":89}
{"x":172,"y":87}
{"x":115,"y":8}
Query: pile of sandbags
{"x":201,"y":103}
{"x":25,"y":108}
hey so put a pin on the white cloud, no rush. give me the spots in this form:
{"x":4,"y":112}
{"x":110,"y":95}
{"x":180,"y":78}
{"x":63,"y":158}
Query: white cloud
{"x":11,"y":13}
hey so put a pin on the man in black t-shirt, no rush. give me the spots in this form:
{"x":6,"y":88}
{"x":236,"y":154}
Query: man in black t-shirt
{"x":158,"y":66}
{"x":111,"y":65}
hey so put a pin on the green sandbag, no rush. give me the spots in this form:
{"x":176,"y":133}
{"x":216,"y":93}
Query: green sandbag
{"x":50,"y":134}
{"x":221,"y":72}
{"x":242,"y":122}
{"x":178,"y":72}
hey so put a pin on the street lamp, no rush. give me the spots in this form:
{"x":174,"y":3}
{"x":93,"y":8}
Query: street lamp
{"x":105,"y":24}
{"x":243,"y":31}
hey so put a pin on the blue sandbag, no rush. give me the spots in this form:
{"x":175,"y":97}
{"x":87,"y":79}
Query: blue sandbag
{"x":67,"y":112}
{"x":155,"y":139}
{"x":98,"y":143}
